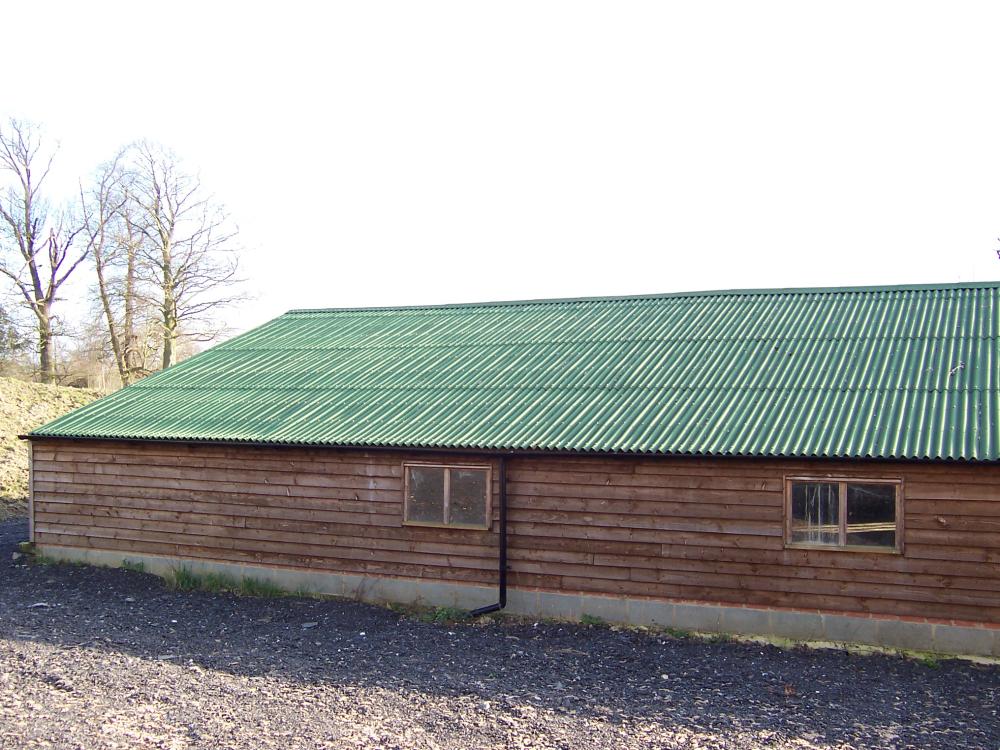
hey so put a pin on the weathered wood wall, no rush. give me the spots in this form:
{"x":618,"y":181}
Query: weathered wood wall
{"x":692,"y":529}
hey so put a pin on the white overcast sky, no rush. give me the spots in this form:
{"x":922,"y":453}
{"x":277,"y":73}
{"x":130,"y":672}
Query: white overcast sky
{"x":378,"y":153}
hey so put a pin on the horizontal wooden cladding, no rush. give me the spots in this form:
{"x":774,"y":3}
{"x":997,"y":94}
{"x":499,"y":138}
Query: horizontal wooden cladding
{"x":340,"y":475}
{"x":764,"y":469}
{"x":193,"y":492}
{"x":190,"y":454}
{"x":680,"y":509}
{"x":617,"y":481}
{"x":733,"y":498}
{"x":719,"y":528}
{"x":305,"y":508}
{"x":188,"y":480}
{"x":678,"y":528}
{"x":267,"y":541}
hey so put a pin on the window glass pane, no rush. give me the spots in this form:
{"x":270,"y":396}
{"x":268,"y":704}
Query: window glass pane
{"x":871,"y":515}
{"x":468,"y":497}
{"x":426,"y":494}
{"x":815,"y":513}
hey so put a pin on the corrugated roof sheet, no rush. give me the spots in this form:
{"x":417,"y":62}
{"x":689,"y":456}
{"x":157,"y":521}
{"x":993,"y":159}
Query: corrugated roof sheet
{"x":890,"y":372}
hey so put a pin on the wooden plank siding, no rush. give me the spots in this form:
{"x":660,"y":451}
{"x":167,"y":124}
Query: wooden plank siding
{"x":686,"y":529}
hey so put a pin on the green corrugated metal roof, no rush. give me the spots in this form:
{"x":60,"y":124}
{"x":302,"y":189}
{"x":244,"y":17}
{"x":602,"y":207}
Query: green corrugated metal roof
{"x":891,"y":372}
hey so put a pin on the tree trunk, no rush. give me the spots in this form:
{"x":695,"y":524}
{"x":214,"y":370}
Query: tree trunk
{"x":169,"y":329}
{"x":131,"y":340}
{"x":169,"y":301}
{"x":46,"y":358}
{"x":168,"y":349}
{"x":109,"y":316}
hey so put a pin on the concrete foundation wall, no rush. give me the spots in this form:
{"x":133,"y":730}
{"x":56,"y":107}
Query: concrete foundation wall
{"x":706,"y":617}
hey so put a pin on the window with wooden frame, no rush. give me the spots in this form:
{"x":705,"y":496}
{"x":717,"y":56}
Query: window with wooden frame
{"x":447,"y":495}
{"x":844,"y":513}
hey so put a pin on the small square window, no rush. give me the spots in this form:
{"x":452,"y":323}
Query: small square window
{"x":846,"y":514}
{"x":440,"y":495}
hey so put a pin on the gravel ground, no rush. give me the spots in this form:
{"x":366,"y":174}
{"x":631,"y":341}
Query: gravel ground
{"x":94,"y":658}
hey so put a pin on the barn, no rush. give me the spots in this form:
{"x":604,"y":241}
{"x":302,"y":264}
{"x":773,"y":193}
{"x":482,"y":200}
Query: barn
{"x":808,"y":463}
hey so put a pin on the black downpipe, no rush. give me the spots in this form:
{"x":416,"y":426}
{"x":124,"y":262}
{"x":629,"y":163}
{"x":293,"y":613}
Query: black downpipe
{"x":503,"y":546}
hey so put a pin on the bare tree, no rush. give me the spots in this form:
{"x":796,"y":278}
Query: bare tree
{"x":188,"y":254}
{"x":36,"y":242}
{"x":101,"y":207}
{"x":115,"y":234}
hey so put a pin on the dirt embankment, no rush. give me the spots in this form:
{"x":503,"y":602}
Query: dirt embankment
{"x":23,"y":407}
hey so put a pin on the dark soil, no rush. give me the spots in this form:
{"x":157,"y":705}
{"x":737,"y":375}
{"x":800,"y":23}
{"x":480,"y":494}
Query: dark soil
{"x":97,"y":658}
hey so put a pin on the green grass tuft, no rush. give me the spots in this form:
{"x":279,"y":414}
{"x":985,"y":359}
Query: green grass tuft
{"x":677,"y":632}
{"x":134,"y":567}
{"x":930,"y":662}
{"x":185,"y":579}
{"x":720,"y":638}
{"x":443,"y":615}
{"x":438,"y":615}
{"x":592,"y":620}
{"x":259,"y":588}
{"x":182,"y":579}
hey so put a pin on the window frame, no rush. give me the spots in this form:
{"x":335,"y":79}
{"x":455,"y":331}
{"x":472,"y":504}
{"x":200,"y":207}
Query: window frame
{"x":842,"y":482}
{"x":488,"y":468}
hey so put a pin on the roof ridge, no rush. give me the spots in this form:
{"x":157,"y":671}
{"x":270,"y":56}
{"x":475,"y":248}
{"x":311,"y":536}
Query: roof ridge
{"x":761,"y":292}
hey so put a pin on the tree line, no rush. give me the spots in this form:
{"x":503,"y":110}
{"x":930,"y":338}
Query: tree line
{"x":161,"y":252}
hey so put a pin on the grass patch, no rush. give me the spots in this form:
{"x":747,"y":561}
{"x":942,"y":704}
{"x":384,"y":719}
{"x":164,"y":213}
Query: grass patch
{"x":257,"y":587}
{"x":36,"y":559}
{"x":133,"y":567}
{"x":719,"y":638}
{"x":442,"y":615}
{"x":185,"y":579}
{"x":303,"y":593}
{"x":930,"y":662}
{"x":437,"y":615}
{"x":553,"y":621}
{"x":677,"y":632}
{"x":182,"y":579}
{"x":592,"y":620}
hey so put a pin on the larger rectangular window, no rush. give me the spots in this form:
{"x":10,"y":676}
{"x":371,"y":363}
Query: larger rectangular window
{"x":859,"y":514}
{"x":445,"y":495}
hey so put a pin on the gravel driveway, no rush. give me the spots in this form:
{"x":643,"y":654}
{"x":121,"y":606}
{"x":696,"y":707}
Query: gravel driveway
{"x":93,"y":658}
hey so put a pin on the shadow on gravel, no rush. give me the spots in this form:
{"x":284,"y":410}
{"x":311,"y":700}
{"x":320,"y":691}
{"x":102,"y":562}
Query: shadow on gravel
{"x":827,"y":696}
